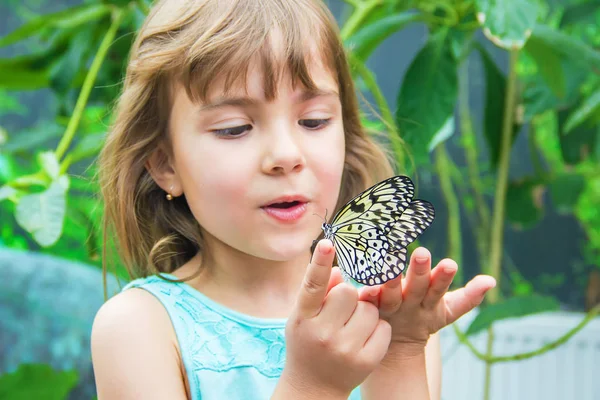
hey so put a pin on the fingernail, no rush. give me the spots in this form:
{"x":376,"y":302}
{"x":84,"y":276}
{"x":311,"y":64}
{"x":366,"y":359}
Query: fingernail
{"x":449,"y":270}
{"x":421,"y":259}
{"x":325,"y":247}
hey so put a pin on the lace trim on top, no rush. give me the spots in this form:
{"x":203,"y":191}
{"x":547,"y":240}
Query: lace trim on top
{"x":216,"y":338}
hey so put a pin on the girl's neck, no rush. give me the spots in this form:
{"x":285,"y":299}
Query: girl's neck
{"x":241,"y":282}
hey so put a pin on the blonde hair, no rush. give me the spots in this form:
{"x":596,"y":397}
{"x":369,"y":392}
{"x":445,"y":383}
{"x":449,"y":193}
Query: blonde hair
{"x":191,"y":43}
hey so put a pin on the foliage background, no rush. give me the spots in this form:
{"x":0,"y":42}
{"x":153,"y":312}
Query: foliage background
{"x":447,"y":79}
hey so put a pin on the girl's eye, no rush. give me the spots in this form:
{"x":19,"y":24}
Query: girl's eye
{"x":314,"y":124}
{"x":232,"y":132}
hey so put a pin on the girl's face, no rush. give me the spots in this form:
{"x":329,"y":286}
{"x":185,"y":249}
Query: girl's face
{"x":255,"y":172}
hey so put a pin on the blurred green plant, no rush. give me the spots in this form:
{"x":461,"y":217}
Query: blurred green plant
{"x":37,"y":381}
{"x":550,"y":94}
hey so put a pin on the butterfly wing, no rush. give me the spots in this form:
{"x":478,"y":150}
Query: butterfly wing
{"x":381,"y":203}
{"x":371,"y":232}
{"x":366,"y":254}
{"x":414,"y":220}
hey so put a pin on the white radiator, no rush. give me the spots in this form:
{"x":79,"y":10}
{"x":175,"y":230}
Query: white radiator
{"x":571,"y":371}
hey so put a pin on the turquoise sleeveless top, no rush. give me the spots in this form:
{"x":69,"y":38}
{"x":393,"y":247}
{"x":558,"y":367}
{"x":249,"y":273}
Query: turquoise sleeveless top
{"x":226,"y":354}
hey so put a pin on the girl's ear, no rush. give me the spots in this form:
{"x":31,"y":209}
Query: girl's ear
{"x":160,"y":167}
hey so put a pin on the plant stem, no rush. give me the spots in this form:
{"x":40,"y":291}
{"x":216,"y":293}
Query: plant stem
{"x":496,"y":241}
{"x":454,"y":236}
{"x":88,"y":84}
{"x":487,"y":383}
{"x":522,"y":356}
{"x":361,"y":12}
{"x":143,"y":6}
{"x":387,"y":116}
{"x":469,"y":143}
{"x":470,"y":146}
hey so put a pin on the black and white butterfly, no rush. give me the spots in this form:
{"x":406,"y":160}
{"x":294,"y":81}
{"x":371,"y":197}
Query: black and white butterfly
{"x":371,"y":232}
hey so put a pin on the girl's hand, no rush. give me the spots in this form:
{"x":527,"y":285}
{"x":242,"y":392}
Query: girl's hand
{"x":422,"y":305}
{"x":333,"y":340}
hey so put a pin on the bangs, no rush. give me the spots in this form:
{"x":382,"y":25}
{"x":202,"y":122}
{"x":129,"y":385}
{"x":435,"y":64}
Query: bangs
{"x":267,"y":34}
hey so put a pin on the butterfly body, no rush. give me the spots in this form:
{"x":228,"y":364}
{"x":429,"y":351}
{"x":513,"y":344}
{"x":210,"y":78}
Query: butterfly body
{"x":371,"y":232}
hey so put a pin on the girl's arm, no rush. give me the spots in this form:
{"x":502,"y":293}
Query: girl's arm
{"x":133,"y":352}
{"x":407,"y":376}
{"x":433,"y":360}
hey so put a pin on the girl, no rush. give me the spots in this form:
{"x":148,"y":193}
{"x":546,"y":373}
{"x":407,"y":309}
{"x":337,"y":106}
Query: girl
{"x":237,"y":123}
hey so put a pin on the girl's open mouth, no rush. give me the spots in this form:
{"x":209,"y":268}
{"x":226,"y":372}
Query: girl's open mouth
{"x":287,"y":211}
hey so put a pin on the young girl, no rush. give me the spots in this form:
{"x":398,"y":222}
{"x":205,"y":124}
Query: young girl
{"x":238,"y":122}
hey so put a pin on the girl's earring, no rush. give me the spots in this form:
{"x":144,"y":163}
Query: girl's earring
{"x":169,"y":195}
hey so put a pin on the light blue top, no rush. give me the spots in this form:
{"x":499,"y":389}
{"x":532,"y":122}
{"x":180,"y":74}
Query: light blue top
{"x":226,"y":354}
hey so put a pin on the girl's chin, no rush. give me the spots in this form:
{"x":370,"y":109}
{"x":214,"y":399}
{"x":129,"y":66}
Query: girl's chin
{"x":286,"y":250}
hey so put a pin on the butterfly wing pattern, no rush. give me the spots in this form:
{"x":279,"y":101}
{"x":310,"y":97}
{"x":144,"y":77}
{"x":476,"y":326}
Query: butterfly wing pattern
{"x":371,"y":232}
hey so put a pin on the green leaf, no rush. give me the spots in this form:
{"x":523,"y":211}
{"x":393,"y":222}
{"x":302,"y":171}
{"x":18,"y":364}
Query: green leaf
{"x":585,"y":111}
{"x":507,"y":23}
{"x":511,"y":308}
{"x":10,"y":104}
{"x":539,"y":98}
{"x":42,"y":214}
{"x":427,"y":97}
{"x":63,"y":19}
{"x":28,"y":139}
{"x":445,"y":132}
{"x":568,"y":47}
{"x":525,"y":202}
{"x":7,"y":192}
{"x":95,"y":119}
{"x":37,"y":381}
{"x":582,"y":12}
{"x":565,"y":190}
{"x":80,"y":227}
{"x":89,"y":146}
{"x":72,"y":64}
{"x":363,"y":42}
{"x":495,"y":93}
{"x":49,"y":163}
{"x":548,"y":63}
{"x":14,"y":79}
{"x":461,"y":43}
{"x":581,"y":143}
{"x":32,"y":71}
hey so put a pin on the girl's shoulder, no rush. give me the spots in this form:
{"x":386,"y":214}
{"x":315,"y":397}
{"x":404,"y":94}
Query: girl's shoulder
{"x":132,"y":336}
{"x":137,"y":310}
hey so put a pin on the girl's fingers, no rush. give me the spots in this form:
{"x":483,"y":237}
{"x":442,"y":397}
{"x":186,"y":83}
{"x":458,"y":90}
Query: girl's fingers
{"x":335,"y":278}
{"x":370,"y":294}
{"x":463,"y":300}
{"x":378,"y":343}
{"x":390,"y":298}
{"x":314,"y":287}
{"x":441,"y":278}
{"x":417,"y":277}
{"x":362,"y":324}
{"x":339,"y":305}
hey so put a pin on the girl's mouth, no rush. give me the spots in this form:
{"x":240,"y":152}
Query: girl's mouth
{"x":286,"y":211}
{"x":285,"y":204}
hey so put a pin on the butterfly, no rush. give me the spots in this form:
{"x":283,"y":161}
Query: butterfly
{"x":370,"y":233}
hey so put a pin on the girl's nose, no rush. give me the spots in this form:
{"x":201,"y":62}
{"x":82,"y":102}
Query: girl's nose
{"x":282,"y":152}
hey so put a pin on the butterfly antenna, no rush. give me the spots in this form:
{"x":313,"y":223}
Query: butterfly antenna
{"x":324,"y":219}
